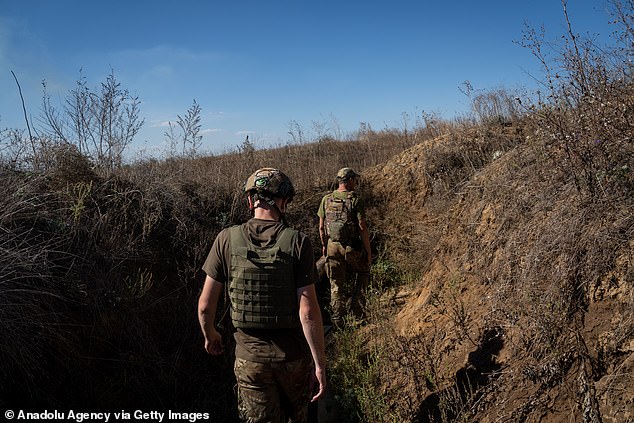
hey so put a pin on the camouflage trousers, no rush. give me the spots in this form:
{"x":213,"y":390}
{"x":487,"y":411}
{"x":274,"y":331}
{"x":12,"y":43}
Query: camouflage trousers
{"x":273,"y":392}
{"x":349,"y":274}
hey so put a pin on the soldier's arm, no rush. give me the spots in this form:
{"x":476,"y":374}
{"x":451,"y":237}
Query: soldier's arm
{"x":207,"y":306}
{"x":323,"y":235}
{"x":310,"y":317}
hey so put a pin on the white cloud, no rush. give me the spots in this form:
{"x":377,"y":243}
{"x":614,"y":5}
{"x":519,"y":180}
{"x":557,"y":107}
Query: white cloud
{"x":160,"y":124}
{"x":166,"y":124}
{"x":216,"y":115}
{"x":160,"y":71}
{"x":211,"y":131}
{"x":159,"y":56}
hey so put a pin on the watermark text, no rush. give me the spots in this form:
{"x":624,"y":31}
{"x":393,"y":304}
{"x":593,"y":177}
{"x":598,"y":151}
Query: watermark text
{"x":106,"y":417}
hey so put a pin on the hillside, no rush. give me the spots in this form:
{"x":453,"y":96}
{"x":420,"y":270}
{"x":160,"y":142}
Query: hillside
{"x":522,"y":307}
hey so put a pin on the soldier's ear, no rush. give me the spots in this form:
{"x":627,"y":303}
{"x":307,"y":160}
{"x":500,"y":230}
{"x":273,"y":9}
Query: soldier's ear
{"x":283,"y":204}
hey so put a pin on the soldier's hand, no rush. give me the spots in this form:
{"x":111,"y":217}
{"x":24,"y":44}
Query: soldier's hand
{"x":318,"y":384}
{"x":213,"y":344}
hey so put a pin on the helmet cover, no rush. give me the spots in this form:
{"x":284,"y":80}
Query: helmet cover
{"x":267,"y":182}
{"x":346,"y":173}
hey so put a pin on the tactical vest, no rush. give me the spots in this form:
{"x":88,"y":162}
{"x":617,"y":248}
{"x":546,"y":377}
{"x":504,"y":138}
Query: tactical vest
{"x":262,"y":285}
{"x":341,"y":223}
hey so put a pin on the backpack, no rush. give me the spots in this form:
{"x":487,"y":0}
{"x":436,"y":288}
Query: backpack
{"x":341,"y":221}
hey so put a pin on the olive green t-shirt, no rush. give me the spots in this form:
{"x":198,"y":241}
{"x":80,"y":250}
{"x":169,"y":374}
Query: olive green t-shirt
{"x":263,"y":345}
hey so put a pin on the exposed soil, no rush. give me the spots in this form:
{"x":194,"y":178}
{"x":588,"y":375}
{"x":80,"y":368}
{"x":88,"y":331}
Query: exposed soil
{"x":523,"y":307}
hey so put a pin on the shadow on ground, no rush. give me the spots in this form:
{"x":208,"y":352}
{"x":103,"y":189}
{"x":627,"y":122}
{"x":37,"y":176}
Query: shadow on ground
{"x":481,"y":367}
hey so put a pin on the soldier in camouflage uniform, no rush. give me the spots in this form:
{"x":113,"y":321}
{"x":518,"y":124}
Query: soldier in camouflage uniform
{"x":346,"y":245}
{"x":269,"y":270}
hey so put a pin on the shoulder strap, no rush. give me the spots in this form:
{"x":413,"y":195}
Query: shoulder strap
{"x":286,"y":240}
{"x":237,"y":239}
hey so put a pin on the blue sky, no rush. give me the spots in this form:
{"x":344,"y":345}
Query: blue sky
{"x":256,"y":66}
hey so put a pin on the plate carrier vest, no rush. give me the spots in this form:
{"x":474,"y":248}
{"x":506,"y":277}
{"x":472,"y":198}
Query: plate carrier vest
{"x":262,"y":285}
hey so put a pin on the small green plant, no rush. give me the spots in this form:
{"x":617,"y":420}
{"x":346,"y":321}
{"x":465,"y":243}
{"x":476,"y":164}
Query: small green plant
{"x":81,"y":191}
{"x":356,"y":377}
{"x":385,"y":274}
{"x":139,"y":283}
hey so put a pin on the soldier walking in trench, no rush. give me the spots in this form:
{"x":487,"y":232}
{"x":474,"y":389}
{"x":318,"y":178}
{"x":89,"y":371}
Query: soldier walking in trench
{"x":346,"y":245}
{"x":280,"y":360}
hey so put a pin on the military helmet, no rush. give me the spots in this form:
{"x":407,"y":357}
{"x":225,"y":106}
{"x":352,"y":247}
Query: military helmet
{"x":346,"y":173}
{"x":268,"y":182}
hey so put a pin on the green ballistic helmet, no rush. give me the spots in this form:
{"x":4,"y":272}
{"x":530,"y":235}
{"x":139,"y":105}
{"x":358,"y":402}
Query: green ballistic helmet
{"x":346,"y":173}
{"x":269,"y":182}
